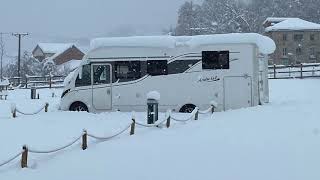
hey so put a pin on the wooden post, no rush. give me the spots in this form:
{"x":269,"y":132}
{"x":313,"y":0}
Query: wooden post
{"x":50,"y":81}
{"x":196,"y":116}
{"x":26,"y":83}
{"x":133,"y":124}
{"x":168,"y":121}
{"x":212,"y":109}
{"x":24,"y":157}
{"x":301,"y":67}
{"x":14,"y":112}
{"x":274,"y":71}
{"x":84,"y":140}
{"x":46,"y":107}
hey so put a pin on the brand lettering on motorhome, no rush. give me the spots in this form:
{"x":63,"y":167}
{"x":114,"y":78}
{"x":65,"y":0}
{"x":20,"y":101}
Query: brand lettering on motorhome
{"x":209,"y":79}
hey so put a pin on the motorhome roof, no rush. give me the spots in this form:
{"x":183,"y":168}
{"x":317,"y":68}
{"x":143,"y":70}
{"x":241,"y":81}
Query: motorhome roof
{"x":265,"y":44}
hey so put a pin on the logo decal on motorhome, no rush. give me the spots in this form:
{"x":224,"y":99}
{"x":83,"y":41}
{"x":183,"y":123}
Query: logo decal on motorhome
{"x":209,"y":79}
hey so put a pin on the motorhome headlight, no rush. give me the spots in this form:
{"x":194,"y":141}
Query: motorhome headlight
{"x":65,"y":92}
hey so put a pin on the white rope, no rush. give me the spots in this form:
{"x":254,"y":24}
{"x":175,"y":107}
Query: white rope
{"x":11,"y":159}
{"x":152,"y":125}
{"x":188,"y":119}
{"x":30,"y":113}
{"x":206,"y":111}
{"x":56,"y":149}
{"x":110,"y":137}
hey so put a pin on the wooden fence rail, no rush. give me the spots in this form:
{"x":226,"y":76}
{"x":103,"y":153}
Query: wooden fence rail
{"x":294,"y":71}
{"x":38,"y":81}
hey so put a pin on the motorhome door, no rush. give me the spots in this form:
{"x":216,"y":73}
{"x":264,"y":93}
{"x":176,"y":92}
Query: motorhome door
{"x":237,"y":92}
{"x":101,"y":86}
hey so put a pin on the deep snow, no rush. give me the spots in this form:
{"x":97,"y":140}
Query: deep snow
{"x":280,"y":140}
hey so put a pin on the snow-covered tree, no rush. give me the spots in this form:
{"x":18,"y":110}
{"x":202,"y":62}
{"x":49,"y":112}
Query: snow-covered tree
{"x":226,"y":16}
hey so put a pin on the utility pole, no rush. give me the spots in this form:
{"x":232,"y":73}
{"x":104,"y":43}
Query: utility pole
{"x":19,"y":35}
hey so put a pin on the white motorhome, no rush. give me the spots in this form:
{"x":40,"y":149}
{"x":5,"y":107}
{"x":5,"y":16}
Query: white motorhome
{"x":118,"y":73}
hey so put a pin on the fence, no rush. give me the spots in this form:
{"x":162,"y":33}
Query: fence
{"x":294,"y":71}
{"x":38,"y":81}
{"x":24,"y":153}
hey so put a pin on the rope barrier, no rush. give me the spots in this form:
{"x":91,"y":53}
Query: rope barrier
{"x":188,"y":119}
{"x":56,"y":149}
{"x":206,"y":111}
{"x":29,"y":114}
{"x":109,"y":137}
{"x":194,"y":113}
{"x":11,"y":159}
{"x":152,"y":125}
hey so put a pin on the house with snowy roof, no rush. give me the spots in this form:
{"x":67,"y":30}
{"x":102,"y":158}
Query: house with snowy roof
{"x":297,"y":40}
{"x":58,"y":53}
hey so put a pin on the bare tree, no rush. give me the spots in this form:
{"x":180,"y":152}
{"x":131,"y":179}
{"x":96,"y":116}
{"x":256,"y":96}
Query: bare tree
{"x":2,"y":51}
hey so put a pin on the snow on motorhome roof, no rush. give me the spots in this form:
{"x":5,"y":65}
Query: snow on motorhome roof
{"x":294,"y":24}
{"x":265,"y":44}
{"x":54,"y":47}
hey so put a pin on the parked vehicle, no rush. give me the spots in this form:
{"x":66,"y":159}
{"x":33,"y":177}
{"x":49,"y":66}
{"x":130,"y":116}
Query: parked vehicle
{"x":117,"y":73}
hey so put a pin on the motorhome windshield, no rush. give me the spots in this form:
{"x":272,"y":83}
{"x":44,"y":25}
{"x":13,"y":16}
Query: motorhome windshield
{"x":85,"y":78}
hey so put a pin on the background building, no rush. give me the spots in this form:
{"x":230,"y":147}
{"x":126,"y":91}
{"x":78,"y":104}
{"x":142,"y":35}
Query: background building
{"x":297,"y":40}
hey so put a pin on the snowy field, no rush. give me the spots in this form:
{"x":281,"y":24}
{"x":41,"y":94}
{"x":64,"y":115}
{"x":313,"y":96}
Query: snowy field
{"x":278,"y":141}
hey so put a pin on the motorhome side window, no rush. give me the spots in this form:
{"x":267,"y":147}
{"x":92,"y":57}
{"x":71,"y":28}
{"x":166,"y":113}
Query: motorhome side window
{"x":157,"y":67}
{"x":127,"y":70}
{"x":101,"y":74}
{"x":85,"y":80}
{"x":215,"y":59}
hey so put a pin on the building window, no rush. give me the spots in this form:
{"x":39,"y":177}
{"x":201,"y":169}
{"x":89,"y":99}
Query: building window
{"x":298,"y":37}
{"x":284,"y":37}
{"x":285,"y":61}
{"x":298,"y":51}
{"x":284,"y":52}
{"x":312,"y":51}
{"x":157,"y":67}
{"x":215,"y":59}
{"x":312,"y":37}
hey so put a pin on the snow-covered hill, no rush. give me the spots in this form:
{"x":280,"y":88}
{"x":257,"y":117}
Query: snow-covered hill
{"x":280,"y":140}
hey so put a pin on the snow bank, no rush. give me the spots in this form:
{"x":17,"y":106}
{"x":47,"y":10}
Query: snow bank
{"x":4,"y":82}
{"x":265,"y":44}
{"x":293,"y":24}
{"x":153,"y":95}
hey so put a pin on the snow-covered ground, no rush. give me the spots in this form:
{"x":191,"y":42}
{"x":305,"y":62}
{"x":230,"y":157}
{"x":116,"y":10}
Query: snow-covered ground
{"x":280,"y":140}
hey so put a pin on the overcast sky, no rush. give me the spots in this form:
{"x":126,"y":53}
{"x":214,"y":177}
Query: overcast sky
{"x":66,"y":20}
{"x":85,"y":17}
